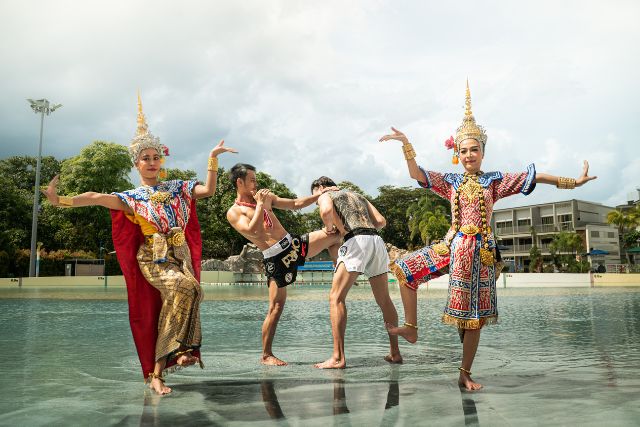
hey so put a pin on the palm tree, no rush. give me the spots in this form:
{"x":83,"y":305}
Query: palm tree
{"x":535,"y":255}
{"x":624,"y":221}
{"x":426,"y":220}
{"x":569,"y":243}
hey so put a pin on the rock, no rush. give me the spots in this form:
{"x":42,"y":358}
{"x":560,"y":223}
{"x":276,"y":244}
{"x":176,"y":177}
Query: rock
{"x":395,"y":253}
{"x":248,"y":261}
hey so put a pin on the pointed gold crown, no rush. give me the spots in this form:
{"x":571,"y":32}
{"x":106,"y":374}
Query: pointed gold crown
{"x":469,"y":128}
{"x":143,"y":138}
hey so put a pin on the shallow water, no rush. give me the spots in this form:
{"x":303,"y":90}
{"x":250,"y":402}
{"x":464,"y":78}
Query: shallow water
{"x":558,"y":357}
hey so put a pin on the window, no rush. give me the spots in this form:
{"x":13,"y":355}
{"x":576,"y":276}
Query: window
{"x":547,"y":220}
{"x":565,"y":218}
{"x":524,"y":222}
{"x":595,"y":234}
{"x":610,"y":234}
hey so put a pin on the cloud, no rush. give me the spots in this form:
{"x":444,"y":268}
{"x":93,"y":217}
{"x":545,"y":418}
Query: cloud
{"x":304,"y":89}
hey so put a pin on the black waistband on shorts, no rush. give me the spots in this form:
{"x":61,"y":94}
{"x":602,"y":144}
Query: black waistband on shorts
{"x":360,"y":231}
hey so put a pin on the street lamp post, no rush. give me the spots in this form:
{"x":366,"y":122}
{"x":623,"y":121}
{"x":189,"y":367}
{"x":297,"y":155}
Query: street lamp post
{"x":43,"y":107}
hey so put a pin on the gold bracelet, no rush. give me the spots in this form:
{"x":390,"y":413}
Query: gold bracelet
{"x":409,"y":152}
{"x":212,"y":166}
{"x":65,"y":201}
{"x":566,"y":183}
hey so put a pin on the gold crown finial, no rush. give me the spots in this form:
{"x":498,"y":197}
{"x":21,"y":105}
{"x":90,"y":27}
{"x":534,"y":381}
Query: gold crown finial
{"x":469,"y":128}
{"x":467,"y":101}
{"x":143,"y":138}
{"x":142,"y":122}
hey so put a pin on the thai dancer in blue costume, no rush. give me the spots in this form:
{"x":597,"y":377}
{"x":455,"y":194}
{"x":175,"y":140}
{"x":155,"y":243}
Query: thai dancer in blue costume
{"x":468,"y":250}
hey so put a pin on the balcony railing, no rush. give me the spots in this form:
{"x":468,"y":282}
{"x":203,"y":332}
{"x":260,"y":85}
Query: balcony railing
{"x":540,"y":228}
{"x":523,"y":248}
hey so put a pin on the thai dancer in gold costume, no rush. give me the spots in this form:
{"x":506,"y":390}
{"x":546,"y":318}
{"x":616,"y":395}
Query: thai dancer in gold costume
{"x":157,"y":240}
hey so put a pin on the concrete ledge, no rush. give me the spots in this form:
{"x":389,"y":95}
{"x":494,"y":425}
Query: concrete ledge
{"x":10,"y":282}
{"x":57,"y":281}
{"x":545,"y":280}
{"x":506,"y":280}
{"x":615,"y":279}
{"x":530,"y":280}
{"x":217,"y":277}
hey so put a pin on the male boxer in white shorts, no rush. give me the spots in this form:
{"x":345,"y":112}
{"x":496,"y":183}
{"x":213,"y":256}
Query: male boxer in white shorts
{"x":362,"y":252}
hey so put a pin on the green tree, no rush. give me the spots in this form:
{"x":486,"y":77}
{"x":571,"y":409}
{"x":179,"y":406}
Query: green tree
{"x":15,"y":224}
{"x":348,"y":185}
{"x":185,"y":175}
{"x":393,"y":203}
{"x":564,"y":248}
{"x":219,"y":239}
{"x":625,"y":221}
{"x":21,"y":170}
{"x":427,"y":220}
{"x":17,"y":179}
{"x":101,"y":167}
{"x":632,"y":239}
{"x":535,"y":255}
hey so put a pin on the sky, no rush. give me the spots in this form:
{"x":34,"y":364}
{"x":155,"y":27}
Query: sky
{"x":306,"y":88}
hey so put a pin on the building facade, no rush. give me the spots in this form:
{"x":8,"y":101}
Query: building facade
{"x":514,"y":228}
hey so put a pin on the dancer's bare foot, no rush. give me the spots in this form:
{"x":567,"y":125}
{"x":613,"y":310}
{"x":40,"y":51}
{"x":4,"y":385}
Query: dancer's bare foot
{"x":393,"y":358}
{"x":465,"y":381}
{"x":186,"y":360}
{"x":408,"y":333}
{"x":158,"y":386}
{"x":270,"y":359}
{"x":331,"y":363}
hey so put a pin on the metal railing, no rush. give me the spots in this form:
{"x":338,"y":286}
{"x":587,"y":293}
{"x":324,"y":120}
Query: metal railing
{"x":540,"y":228}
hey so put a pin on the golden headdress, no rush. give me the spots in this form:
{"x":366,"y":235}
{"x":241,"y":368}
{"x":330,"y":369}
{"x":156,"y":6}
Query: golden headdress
{"x":468,"y":129}
{"x":144,"y":139}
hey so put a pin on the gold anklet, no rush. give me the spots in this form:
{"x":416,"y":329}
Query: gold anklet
{"x":153,"y":375}
{"x":180,"y":353}
{"x":410,"y":325}
{"x":466,"y":371}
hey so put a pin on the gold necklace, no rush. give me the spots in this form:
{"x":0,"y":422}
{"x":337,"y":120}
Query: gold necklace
{"x":158,"y":197}
{"x":472,"y":191}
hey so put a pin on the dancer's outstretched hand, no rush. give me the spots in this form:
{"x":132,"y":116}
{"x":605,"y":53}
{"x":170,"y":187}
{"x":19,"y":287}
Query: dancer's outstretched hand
{"x":397,"y":135}
{"x":52,"y":191}
{"x":220,"y":148}
{"x":584,"y":178}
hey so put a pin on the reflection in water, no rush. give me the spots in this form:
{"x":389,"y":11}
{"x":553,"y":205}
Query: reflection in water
{"x":469,"y":409}
{"x":339,"y":403}
{"x":339,"y":398}
{"x":149,"y":409}
{"x":270,"y":399}
{"x":391,"y":407}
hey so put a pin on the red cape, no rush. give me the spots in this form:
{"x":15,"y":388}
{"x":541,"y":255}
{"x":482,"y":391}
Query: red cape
{"x":144,"y":299}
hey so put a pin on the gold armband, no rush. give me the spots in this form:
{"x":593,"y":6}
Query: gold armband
{"x":213,"y":164}
{"x":65,"y":201}
{"x":566,"y":183}
{"x":408,"y":151}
